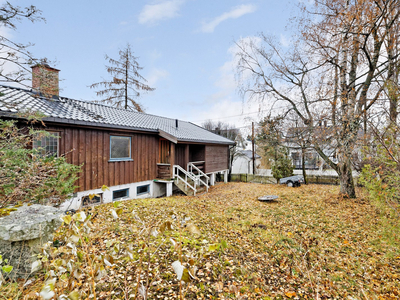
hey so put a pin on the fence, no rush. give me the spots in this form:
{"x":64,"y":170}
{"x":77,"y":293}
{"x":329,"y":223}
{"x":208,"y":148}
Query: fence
{"x":315,"y":179}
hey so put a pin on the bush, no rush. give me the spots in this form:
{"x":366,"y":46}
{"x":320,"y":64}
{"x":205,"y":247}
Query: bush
{"x":26,"y":175}
{"x":381,"y":173}
{"x":282,"y":167}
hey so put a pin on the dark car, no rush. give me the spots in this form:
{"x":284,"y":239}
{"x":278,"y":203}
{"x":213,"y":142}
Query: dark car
{"x":292,"y":181}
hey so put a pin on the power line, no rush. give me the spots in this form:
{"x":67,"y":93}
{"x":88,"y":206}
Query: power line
{"x":256,"y":112}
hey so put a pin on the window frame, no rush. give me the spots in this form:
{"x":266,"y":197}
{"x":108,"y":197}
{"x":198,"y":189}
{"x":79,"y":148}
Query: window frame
{"x":89,"y":203}
{"x":120,"y":198}
{"x":56,"y":136}
{"x":130,"y":149}
{"x":143,"y":193}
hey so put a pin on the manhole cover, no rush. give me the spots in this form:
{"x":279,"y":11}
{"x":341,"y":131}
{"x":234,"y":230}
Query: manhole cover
{"x":268,"y":198}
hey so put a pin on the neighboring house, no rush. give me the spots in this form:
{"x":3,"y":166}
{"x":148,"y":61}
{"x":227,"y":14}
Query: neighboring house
{"x":243,"y":162}
{"x":135,"y":154}
{"x":243,"y":157}
{"x":298,"y":140}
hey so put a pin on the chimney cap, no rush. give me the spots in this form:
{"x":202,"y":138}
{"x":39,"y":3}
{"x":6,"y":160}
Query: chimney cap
{"x":45,"y":65}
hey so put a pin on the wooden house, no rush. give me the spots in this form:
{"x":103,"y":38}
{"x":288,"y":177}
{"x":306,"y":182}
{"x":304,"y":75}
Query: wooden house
{"x":135,"y":154}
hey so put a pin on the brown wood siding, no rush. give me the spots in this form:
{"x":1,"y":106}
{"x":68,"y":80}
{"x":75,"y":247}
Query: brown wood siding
{"x":91,"y":148}
{"x":216,"y":158}
{"x":180,"y":155}
{"x":164,"y":171}
{"x":196,"y":153}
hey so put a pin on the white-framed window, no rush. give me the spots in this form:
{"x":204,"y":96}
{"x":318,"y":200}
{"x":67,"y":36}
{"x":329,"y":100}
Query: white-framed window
{"x":120,"y":194}
{"x":98,"y":198}
{"x":143,"y":189}
{"x":47,"y":145}
{"x":120,"y":148}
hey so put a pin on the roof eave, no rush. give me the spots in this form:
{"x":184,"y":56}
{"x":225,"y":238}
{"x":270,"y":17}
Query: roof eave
{"x":230,"y":143}
{"x":79,"y":123}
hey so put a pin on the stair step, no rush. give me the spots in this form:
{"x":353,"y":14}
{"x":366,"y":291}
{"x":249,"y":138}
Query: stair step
{"x":186,"y":189}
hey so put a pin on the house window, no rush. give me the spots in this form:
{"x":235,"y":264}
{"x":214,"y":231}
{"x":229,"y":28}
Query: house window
{"x":143,"y":189}
{"x":120,"y":194}
{"x":296,"y":157}
{"x":47,"y":145}
{"x":98,"y":198}
{"x":120,"y":148}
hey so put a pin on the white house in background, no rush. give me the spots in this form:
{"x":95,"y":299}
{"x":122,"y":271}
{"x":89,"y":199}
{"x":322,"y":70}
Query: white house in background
{"x":243,"y":162}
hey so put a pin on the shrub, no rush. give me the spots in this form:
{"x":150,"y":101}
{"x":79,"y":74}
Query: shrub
{"x":381,"y":173}
{"x":28,"y":176}
{"x":282,"y":167}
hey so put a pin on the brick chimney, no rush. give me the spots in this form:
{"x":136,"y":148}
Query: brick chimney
{"x":45,"y":80}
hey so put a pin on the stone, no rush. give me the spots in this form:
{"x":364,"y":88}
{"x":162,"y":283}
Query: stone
{"x":22,"y":234}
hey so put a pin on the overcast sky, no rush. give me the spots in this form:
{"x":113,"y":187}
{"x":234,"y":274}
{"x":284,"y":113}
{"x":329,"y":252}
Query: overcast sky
{"x":186,"y":47}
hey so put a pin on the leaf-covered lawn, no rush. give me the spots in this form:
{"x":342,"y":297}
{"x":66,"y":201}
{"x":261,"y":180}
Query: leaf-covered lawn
{"x":306,"y":245}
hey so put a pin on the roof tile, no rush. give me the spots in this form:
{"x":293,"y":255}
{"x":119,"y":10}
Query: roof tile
{"x":67,"y":110}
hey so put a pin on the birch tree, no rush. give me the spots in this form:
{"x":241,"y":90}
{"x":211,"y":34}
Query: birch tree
{"x":126,"y":84}
{"x":336,"y":69}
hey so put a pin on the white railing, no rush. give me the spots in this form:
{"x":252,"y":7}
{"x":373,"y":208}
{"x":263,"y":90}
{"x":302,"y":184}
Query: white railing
{"x":187,"y":175}
{"x":200,"y":173}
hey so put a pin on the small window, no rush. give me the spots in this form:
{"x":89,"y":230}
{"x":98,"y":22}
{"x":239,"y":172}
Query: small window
{"x":120,"y":147}
{"x":119,"y":194}
{"x":95,"y":199}
{"x":143,"y":189}
{"x":47,"y":145}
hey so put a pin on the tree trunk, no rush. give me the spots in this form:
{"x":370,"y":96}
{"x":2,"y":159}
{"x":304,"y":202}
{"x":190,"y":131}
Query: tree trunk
{"x":303,"y":165}
{"x":126,"y":88}
{"x":347,"y":188}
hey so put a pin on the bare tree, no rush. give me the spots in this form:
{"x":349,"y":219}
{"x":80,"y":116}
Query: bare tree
{"x":15,"y":59}
{"x":126,"y":83}
{"x":335,"y":70}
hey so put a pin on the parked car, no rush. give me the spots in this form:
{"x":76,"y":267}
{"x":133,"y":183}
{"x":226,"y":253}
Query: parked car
{"x":292,"y":181}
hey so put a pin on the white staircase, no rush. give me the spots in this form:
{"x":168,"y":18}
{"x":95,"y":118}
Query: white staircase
{"x":191,"y":181}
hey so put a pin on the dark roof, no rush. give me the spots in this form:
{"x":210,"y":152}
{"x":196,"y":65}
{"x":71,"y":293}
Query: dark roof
{"x":70,"y":111}
{"x":249,"y":154}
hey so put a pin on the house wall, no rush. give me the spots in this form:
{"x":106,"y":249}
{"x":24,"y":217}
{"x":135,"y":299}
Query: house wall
{"x":155,"y":190}
{"x":180,"y":155}
{"x":91,"y":148}
{"x":217,"y":158}
{"x":196,"y":153}
{"x":244,"y":165}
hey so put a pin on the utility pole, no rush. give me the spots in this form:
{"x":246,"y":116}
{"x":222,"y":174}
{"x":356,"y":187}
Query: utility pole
{"x":253,"y":148}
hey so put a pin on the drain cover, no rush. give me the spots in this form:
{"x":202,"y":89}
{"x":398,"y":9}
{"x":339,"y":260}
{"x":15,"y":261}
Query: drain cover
{"x":268,"y":198}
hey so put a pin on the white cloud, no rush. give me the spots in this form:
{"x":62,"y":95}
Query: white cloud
{"x":235,"y":13}
{"x":285,"y":41}
{"x":227,"y":81}
{"x":152,"y":13}
{"x":155,"y":75}
{"x":226,"y":102}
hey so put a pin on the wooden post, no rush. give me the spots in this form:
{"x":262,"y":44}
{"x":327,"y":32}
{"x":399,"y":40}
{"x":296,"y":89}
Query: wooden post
{"x":186,"y":155}
{"x":172,"y":159}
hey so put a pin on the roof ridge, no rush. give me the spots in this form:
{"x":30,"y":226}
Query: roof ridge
{"x":60,"y":98}
{"x":83,"y":112}
{"x":15,"y":88}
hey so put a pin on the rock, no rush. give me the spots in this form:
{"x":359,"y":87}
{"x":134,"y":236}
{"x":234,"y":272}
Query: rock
{"x":23,"y":232}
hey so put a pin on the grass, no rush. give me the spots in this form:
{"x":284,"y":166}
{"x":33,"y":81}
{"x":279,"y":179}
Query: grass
{"x":309,"y":244}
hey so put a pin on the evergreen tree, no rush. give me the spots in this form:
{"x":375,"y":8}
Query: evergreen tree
{"x":126,"y":82}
